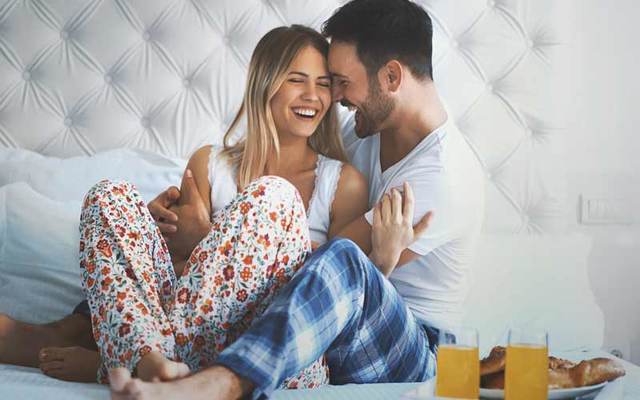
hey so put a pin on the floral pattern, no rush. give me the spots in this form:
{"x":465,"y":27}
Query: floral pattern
{"x":139,"y":305}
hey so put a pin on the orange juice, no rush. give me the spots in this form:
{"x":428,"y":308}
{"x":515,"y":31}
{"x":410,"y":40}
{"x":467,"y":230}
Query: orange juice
{"x":527,"y":372}
{"x":458,"y":372}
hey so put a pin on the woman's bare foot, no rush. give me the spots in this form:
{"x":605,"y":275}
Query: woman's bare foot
{"x":20,"y":342}
{"x":211,"y":384}
{"x":75,"y":364}
{"x":156,"y":367}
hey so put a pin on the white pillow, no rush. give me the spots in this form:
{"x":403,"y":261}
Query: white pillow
{"x":40,"y":199}
{"x":71,"y":178}
{"x":39,"y":273}
{"x":535,"y":281}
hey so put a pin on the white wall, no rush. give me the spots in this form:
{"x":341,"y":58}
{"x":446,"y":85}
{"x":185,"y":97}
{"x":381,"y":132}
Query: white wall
{"x":603,"y":146}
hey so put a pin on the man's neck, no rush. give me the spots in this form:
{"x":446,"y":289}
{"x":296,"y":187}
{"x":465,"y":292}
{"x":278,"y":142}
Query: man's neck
{"x":410,"y":123}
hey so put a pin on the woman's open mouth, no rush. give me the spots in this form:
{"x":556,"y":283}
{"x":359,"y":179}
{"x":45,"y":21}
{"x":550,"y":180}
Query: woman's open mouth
{"x":304,"y":113}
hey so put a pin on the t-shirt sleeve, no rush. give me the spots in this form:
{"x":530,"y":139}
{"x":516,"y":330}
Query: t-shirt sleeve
{"x":431,"y":194}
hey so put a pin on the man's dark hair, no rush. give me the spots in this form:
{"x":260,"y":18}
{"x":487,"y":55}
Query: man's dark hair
{"x":383,"y":30}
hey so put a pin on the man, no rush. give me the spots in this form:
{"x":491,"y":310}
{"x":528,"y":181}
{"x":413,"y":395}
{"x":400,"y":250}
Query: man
{"x":371,"y":329}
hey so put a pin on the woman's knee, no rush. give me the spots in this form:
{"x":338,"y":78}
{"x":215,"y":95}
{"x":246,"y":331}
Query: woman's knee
{"x":107,"y":188}
{"x":272,"y":187}
{"x":343,"y":254}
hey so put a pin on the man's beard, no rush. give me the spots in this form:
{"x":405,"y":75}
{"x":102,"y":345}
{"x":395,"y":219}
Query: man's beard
{"x":374,"y":111}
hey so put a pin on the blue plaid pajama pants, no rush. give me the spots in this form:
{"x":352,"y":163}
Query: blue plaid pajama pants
{"x":340,"y":305}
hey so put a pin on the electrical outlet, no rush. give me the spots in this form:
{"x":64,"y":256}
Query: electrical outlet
{"x":604,"y":210}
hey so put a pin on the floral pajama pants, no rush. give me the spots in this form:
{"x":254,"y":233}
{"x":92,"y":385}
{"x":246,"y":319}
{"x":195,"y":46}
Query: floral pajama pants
{"x":137,"y":303}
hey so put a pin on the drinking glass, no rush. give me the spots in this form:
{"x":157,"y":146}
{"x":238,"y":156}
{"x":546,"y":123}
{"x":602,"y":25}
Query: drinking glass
{"x":458,"y":364}
{"x":527,"y":365}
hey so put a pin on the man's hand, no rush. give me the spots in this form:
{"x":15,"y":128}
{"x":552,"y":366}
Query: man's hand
{"x":393,"y":229}
{"x":192,"y":222}
{"x":159,"y":209}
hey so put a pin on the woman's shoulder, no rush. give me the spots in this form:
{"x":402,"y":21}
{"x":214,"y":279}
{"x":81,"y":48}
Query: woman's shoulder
{"x":351,"y":180}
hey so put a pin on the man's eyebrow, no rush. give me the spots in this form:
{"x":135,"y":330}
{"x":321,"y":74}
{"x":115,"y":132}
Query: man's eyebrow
{"x":336,"y":75}
{"x":307,"y":75}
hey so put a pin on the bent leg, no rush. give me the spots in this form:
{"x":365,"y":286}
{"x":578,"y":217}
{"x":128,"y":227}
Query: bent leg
{"x":256,"y":245}
{"x":338,"y":303}
{"x":20,"y":342}
{"x":127,"y":276}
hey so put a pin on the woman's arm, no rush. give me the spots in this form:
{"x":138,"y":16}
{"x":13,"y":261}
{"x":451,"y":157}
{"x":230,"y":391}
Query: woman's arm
{"x":350,"y":202}
{"x":199,"y":166}
{"x":193,"y":208}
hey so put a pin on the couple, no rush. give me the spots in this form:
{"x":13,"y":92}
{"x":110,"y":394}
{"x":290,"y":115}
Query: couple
{"x":236,"y":235}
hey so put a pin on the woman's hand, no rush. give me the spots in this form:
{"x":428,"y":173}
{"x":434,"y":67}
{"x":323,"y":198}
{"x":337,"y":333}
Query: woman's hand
{"x":192,"y":223}
{"x":393,"y":229}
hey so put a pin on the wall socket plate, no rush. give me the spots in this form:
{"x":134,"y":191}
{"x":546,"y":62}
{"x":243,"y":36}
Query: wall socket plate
{"x":601,"y":210}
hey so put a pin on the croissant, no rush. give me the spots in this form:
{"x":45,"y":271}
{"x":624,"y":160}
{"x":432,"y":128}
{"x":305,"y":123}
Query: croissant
{"x":562,"y":373}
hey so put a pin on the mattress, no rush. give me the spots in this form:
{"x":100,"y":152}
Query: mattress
{"x":30,"y":383}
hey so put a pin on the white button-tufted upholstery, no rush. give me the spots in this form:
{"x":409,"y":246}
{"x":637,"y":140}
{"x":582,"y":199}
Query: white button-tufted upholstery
{"x":81,"y":76}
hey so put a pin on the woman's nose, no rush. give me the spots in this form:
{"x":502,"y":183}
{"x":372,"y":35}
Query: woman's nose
{"x":310,"y":92}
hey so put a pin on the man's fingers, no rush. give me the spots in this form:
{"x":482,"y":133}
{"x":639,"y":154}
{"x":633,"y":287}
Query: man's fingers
{"x":172,"y":195}
{"x":422,"y":225}
{"x":409,"y":203}
{"x":160,"y":213}
{"x":385,"y":209}
{"x":377,"y":218}
{"x":396,"y":205}
{"x":167,"y":228}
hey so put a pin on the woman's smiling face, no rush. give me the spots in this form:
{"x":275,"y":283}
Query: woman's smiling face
{"x":304,"y":97}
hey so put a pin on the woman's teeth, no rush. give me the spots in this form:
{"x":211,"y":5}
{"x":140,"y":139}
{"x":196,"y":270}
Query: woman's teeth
{"x":305,"y":112}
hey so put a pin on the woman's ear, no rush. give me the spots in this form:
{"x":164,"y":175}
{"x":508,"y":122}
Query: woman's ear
{"x":391,"y":75}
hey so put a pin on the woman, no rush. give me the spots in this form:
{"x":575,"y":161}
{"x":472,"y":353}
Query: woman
{"x":291,"y":133}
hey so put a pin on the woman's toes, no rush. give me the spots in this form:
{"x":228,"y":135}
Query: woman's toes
{"x":49,"y":354}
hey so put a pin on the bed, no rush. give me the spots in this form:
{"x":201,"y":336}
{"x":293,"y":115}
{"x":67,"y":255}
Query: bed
{"x":93,"y":89}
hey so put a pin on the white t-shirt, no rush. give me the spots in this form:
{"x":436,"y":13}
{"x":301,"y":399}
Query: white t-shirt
{"x":447,"y":179}
{"x":222,"y":177}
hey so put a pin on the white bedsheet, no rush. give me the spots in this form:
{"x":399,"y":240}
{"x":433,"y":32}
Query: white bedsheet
{"x":30,"y":383}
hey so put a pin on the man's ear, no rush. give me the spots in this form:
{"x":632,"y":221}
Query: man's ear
{"x":391,"y":75}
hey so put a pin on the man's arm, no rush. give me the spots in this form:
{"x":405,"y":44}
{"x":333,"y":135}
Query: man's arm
{"x":394,"y":230}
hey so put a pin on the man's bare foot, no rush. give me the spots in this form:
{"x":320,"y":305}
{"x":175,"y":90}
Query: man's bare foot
{"x":211,"y":384}
{"x":75,"y":364}
{"x":156,"y":367}
{"x":20,"y":342}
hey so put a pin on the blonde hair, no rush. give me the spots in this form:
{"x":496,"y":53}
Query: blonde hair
{"x":269,"y":64}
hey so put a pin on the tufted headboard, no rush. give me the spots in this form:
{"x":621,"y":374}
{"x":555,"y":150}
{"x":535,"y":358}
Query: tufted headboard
{"x":82,"y":76}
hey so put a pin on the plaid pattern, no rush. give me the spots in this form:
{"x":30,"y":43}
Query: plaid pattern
{"x":339,"y":305}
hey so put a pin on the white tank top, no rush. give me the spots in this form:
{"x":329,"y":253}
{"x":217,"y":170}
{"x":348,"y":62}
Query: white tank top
{"x":222,"y":177}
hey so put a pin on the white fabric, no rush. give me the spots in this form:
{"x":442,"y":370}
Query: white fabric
{"x":168,"y":77}
{"x":70,"y":178}
{"x":40,"y":199}
{"x":319,"y":213}
{"x":222,"y":177}
{"x":535,"y":281}
{"x":30,"y":383}
{"x":38,"y":254}
{"x":446,"y":179}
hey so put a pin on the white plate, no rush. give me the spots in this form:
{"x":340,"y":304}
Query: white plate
{"x":555,"y":394}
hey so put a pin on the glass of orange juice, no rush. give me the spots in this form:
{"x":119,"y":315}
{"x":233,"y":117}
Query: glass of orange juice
{"x":527,"y":367}
{"x":458,"y":363}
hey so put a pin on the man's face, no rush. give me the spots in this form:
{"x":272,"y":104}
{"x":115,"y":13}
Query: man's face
{"x":353,"y":88}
